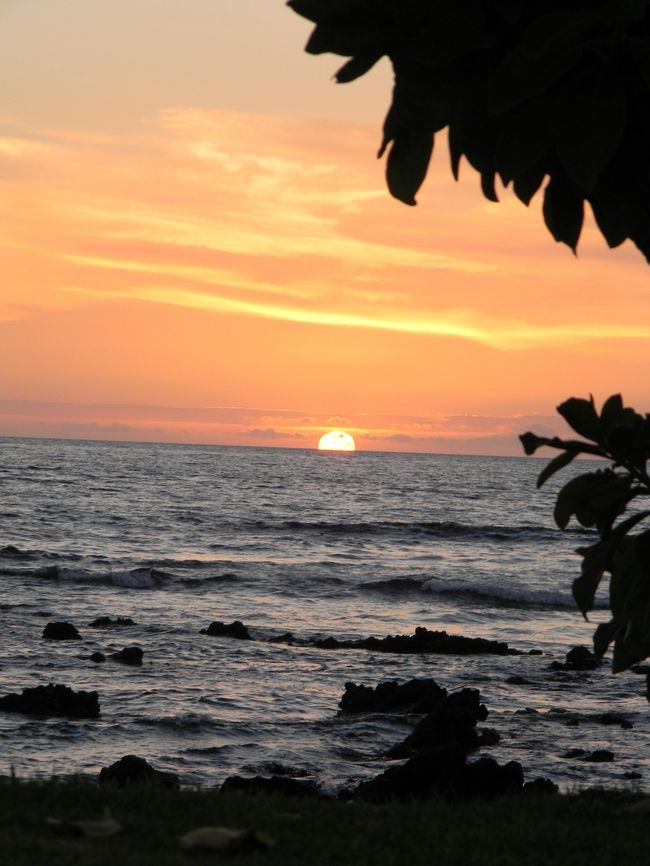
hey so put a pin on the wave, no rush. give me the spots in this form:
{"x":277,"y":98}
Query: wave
{"x":445,"y":529}
{"x":134,"y":578}
{"x":486,"y":594}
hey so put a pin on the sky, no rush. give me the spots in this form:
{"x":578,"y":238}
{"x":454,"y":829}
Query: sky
{"x":197,"y":245}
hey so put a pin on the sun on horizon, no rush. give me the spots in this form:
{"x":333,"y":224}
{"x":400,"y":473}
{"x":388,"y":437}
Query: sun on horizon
{"x":336,"y":440}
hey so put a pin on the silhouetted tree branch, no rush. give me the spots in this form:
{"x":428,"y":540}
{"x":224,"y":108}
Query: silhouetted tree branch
{"x":531,"y":90}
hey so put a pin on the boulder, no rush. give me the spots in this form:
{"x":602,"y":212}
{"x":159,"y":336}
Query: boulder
{"x":60,"y":631}
{"x":130,"y":655}
{"x":107,"y":622}
{"x":414,"y":696}
{"x":574,"y":753}
{"x":442,"y":772}
{"x":452,"y":721}
{"x":540,"y":786}
{"x":131,"y":770}
{"x":273,"y":785}
{"x":52,"y":700}
{"x":580,"y":658}
{"x":600,"y":756}
{"x":97,"y":657}
{"x":234,"y":629}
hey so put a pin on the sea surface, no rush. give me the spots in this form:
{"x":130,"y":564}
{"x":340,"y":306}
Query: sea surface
{"x":320,"y":544}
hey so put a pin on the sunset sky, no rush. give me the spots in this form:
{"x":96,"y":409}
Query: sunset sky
{"x":197,"y":246}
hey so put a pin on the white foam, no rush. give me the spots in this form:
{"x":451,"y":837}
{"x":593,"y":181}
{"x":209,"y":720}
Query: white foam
{"x":504,"y":594}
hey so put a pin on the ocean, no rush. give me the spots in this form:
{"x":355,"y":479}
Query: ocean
{"x":319,"y":544}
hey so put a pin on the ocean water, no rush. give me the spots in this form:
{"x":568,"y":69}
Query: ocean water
{"x":348,"y":545}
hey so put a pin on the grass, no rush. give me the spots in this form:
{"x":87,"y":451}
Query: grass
{"x":586,"y":830}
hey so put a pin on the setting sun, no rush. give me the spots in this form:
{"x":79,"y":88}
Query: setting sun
{"x":336,"y":440}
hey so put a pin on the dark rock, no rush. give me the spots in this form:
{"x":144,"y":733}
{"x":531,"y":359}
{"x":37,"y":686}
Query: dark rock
{"x":131,"y":770}
{"x":442,"y":772}
{"x":421,"y":641}
{"x":287,"y":637}
{"x":234,"y":629}
{"x":52,"y":700}
{"x":518,"y":681}
{"x":535,"y":652}
{"x":130,"y":655}
{"x":488,"y":737}
{"x":540,"y":786}
{"x":632,"y":774}
{"x":580,"y":658}
{"x":106,"y":621}
{"x":60,"y":631}
{"x":274,"y":768}
{"x":575,"y":753}
{"x":486,"y":779}
{"x":11,"y":552}
{"x":97,"y":657}
{"x":600,"y":756}
{"x":433,"y":771}
{"x":615,"y":719}
{"x":453,"y":720}
{"x":273,"y":785}
{"x":414,"y":696}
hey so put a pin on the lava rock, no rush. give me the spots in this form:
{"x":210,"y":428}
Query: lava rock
{"x":9,"y":551}
{"x":97,"y":657}
{"x":574,"y":753}
{"x":452,"y":721}
{"x":107,"y":622}
{"x":60,"y":631}
{"x":540,"y":786}
{"x":234,"y":629}
{"x":442,"y":772}
{"x":273,"y":785}
{"x":285,"y":637}
{"x":130,"y":655}
{"x":518,"y":681}
{"x":600,"y":756}
{"x":615,"y":719}
{"x":580,"y":658}
{"x":52,"y":700}
{"x":414,"y":696}
{"x":632,"y":774}
{"x":131,"y":770}
{"x":421,"y":641}
{"x":488,"y":737}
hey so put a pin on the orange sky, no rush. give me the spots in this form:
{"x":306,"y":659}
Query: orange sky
{"x":198,"y":246}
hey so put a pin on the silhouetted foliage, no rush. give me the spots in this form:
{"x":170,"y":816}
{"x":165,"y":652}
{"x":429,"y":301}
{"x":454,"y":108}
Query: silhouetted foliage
{"x":530,"y":90}
{"x":599,"y":499}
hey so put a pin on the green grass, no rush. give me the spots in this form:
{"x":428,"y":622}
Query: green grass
{"x":588,"y":830}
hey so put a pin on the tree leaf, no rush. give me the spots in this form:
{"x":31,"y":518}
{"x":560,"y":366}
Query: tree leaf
{"x":612,"y":410}
{"x":487,"y":186}
{"x":407,"y":164}
{"x":563,"y":210}
{"x":588,"y":122}
{"x":581,"y":415}
{"x":603,"y":636}
{"x":528,"y":181}
{"x":531,"y":442}
{"x":555,"y":465}
{"x":357,"y":67}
